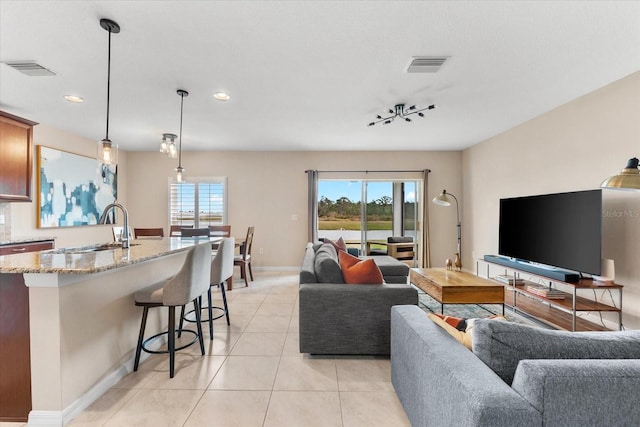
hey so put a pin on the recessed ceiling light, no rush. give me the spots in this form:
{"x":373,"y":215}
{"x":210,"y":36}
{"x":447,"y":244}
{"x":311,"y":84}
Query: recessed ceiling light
{"x":221,"y":96}
{"x":73,"y":98}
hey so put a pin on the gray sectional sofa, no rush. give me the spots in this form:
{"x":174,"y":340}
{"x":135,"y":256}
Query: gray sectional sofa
{"x":337,"y":318}
{"x":516,"y":375}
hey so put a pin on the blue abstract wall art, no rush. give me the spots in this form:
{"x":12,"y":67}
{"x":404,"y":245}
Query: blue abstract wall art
{"x":73,"y":190}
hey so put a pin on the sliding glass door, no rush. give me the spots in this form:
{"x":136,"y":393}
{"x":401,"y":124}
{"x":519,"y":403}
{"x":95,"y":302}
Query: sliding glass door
{"x":378,"y":216}
{"x":340,"y":211}
{"x":366,"y":212}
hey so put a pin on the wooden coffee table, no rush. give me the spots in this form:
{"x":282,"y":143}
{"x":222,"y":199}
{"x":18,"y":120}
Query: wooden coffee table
{"x":456,"y":287}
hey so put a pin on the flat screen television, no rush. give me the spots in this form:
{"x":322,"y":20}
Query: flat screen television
{"x":561,"y":230}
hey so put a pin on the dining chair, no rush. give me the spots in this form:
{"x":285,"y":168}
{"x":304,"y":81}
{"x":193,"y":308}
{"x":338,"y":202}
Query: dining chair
{"x":220,"y":230}
{"x":148,"y":232}
{"x":175,"y":230}
{"x":186,"y":286}
{"x":244,"y":259}
{"x":221,"y":270}
{"x":194,"y":232}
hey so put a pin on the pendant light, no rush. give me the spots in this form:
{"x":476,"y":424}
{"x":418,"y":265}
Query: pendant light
{"x":180,"y":169}
{"x":169,"y":148}
{"x":108,"y":151}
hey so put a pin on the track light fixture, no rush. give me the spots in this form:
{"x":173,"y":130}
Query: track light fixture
{"x":400,"y":111}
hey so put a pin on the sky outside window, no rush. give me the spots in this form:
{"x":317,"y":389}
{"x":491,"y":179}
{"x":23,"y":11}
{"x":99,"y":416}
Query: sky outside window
{"x":333,"y":190}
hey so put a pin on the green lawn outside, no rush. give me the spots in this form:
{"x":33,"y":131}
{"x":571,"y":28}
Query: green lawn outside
{"x":352,"y":225}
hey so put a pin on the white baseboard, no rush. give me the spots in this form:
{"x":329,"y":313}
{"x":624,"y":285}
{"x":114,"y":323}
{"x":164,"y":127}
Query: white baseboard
{"x":277,"y":268}
{"x":45,"y":418}
{"x":80,"y":404}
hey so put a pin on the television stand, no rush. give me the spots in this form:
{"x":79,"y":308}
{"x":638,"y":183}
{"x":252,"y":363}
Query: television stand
{"x":552,"y":301}
{"x":550,"y":272}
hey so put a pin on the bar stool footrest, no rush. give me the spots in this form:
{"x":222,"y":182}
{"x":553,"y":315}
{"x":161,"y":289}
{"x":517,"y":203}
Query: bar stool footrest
{"x":202,"y":319}
{"x":145,"y":342}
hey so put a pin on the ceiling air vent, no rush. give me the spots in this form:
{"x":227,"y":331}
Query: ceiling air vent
{"x":426,"y":64}
{"x":30,"y":68}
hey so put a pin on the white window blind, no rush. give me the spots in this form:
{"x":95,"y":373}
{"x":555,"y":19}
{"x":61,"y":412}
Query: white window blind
{"x":199,"y":203}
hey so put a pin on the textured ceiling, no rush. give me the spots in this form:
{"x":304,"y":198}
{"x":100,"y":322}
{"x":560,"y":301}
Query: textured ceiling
{"x":309,"y":75}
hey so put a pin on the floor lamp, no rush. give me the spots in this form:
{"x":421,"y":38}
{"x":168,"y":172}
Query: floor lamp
{"x":627,"y":179}
{"x":443,"y":199}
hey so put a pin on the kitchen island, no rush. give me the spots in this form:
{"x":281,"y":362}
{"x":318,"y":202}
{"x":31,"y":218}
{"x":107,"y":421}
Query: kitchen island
{"x":83,"y":324}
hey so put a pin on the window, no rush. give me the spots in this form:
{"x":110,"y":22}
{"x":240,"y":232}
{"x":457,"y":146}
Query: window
{"x":199,"y":203}
{"x":389,"y":210}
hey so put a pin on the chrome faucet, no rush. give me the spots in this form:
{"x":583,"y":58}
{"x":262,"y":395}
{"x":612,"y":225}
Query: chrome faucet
{"x":125,"y":229}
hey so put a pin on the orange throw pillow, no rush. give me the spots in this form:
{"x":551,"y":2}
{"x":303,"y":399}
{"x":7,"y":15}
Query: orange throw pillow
{"x":339,"y":244}
{"x":461,"y":336}
{"x":356,"y":271}
{"x":457,"y":322}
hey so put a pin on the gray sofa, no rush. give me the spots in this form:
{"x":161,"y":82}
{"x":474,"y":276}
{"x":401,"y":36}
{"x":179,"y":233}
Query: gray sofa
{"x":336,"y":318}
{"x":515,"y":376}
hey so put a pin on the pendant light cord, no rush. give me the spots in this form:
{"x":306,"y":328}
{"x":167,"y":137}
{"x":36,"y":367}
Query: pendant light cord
{"x":108,"y":83}
{"x":180,"y":145}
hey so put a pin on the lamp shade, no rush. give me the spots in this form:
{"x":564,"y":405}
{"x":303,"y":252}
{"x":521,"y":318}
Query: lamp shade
{"x":180,"y":174}
{"x":107,"y":152}
{"x":627,"y":179}
{"x":172,"y":150}
{"x":442,"y":199}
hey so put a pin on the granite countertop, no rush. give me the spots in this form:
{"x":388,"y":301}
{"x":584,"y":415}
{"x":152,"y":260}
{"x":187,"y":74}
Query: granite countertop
{"x":96,"y":258}
{"x":19,"y":240}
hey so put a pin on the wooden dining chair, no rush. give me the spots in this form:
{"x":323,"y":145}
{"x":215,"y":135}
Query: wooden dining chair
{"x":148,"y":232}
{"x":220,"y":231}
{"x":244,"y":259}
{"x":194,"y":232}
{"x":175,"y":230}
{"x":223,"y":231}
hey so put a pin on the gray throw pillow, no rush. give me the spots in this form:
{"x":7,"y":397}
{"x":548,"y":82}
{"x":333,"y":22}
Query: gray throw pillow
{"x":326,"y":265}
{"x":501,"y":345}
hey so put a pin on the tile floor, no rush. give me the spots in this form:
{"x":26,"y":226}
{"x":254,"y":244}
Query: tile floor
{"x":252,"y":375}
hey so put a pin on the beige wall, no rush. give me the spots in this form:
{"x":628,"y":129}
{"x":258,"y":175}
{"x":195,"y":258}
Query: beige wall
{"x":266,"y":188}
{"x":23,"y":216}
{"x":573,"y":147}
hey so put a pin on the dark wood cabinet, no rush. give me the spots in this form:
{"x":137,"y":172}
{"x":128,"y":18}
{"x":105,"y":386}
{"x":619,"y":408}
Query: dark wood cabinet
{"x":16,"y":157}
{"x":15,"y":349}
{"x":19,"y":248}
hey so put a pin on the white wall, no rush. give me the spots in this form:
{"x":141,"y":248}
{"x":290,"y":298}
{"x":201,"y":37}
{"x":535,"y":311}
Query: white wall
{"x":573,"y":147}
